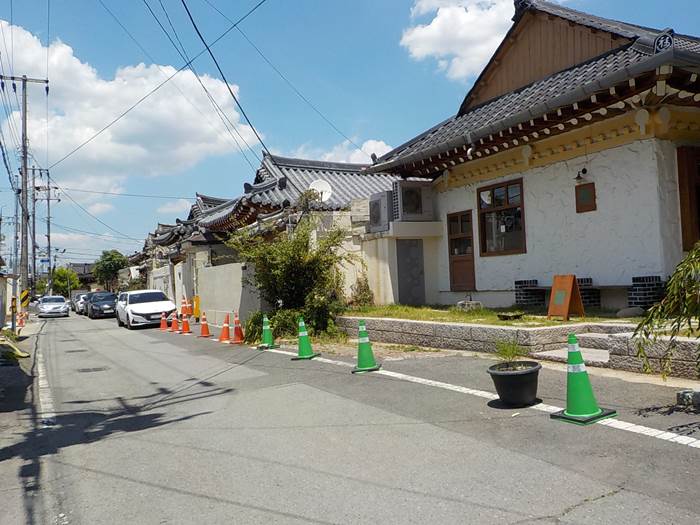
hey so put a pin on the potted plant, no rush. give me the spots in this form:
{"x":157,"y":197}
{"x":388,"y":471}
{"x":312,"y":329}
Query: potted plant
{"x":515,"y":380}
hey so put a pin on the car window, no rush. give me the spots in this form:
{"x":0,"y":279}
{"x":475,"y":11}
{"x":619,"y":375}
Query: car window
{"x":122,"y":297}
{"x":146,"y":297}
{"x":53,"y":300}
{"x":103,"y":297}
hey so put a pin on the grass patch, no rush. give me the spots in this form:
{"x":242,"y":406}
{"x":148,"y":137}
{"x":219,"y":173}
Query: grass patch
{"x":532,"y":318}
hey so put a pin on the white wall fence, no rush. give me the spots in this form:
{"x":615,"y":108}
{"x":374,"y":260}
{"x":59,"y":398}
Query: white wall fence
{"x":222,"y":290}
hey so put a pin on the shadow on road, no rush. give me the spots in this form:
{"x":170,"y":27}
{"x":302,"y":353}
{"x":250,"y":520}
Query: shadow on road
{"x":48,"y":437}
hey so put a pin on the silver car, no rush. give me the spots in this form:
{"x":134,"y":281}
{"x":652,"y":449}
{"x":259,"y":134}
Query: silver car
{"x":53,"y":306}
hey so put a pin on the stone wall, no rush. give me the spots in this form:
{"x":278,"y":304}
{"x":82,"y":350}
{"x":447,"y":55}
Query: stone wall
{"x":623,"y":355}
{"x":473,"y":337}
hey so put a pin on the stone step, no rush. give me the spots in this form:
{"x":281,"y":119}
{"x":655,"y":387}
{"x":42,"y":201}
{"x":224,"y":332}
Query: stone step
{"x":594,"y":340}
{"x":591,"y":356}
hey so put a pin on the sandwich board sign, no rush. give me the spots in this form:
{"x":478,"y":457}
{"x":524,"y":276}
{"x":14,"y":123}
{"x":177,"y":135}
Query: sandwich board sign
{"x":565,"y":299}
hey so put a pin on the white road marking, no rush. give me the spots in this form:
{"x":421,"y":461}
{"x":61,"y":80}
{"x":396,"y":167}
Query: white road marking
{"x":47,"y":412}
{"x":542,"y":407}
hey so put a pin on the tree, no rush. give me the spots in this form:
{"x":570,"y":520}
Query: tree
{"x":294,"y":271}
{"x":65,"y":280}
{"x":678,"y":313}
{"x":107,"y":268}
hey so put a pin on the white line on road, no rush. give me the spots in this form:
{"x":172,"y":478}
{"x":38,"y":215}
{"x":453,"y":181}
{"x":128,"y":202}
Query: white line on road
{"x":542,"y":407}
{"x":47,"y":412}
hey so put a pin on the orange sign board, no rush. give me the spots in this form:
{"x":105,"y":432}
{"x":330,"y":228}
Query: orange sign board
{"x":565,"y":299}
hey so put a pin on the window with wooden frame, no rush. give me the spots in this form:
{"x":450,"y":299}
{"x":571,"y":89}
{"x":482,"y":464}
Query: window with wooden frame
{"x":461,"y":246}
{"x":501,"y":218}
{"x":585,"y":197}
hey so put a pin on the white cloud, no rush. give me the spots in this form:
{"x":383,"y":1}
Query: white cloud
{"x":164,"y":135}
{"x":177,"y":206}
{"x":100,"y":207}
{"x":345,"y":152}
{"x":462,"y":35}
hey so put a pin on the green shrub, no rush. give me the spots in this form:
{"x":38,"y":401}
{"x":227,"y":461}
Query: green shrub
{"x":362,"y":294}
{"x":285,"y":323}
{"x":509,"y":351}
{"x":253,"y":327}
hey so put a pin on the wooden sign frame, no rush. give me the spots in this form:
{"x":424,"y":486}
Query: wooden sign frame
{"x":565,"y":299}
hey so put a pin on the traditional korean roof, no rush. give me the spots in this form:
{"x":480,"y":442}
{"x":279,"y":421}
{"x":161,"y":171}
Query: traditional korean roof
{"x":453,"y":137}
{"x":204,"y":204}
{"x":167,"y":234}
{"x":280,"y":181}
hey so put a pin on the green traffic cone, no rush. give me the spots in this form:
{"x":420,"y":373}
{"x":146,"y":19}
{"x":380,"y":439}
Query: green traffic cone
{"x":581,"y":406}
{"x":365,"y":357}
{"x":268,"y":340}
{"x":305,"y":351}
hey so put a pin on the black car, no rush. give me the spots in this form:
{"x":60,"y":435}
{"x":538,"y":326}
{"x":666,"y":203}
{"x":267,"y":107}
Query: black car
{"x":101,"y":304}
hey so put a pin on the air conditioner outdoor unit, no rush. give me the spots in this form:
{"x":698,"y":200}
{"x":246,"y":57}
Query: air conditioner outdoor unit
{"x":413,"y":201}
{"x":379,"y":212}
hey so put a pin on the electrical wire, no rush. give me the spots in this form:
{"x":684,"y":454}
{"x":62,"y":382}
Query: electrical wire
{"x":289,"y":82}
{"x":142,"y":195}
{"x":220,"y":112}
{"x":150,"y":57}
{"x":156,"y":88}
{"x":95,"y":234}
{"x":48,"y":46}
{"x":223,"y":77}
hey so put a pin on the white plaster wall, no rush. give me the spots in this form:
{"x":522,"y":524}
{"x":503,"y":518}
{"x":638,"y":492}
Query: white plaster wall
{"x":623,"y":238}
{"x":671,"y":245}
{"x":222,"y":290}
{"x":160,"y":280}
{"x":380,"y":259}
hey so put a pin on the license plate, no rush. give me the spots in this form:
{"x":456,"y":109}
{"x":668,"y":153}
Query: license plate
{"x":155,"y":316}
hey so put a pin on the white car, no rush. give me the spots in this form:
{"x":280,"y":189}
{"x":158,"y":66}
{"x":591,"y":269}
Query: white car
{"x":142,"y":308}
{"x":80,"y":303}
{"x":53,"y":306}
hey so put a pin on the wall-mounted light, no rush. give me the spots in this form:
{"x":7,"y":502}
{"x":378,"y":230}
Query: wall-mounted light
{"x":579,"y":176}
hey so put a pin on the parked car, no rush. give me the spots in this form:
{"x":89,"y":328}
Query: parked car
{"x":76,"y":302}
{"x":101,"y":304}
{"x":53,"y":306}
{"x":142,"y":308}
{"x":82,"y":305}
{"x":75,"y":297}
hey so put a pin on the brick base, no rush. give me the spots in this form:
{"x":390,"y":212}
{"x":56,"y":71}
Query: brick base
{"x":645,"y":291}
{"x":525,"y":295}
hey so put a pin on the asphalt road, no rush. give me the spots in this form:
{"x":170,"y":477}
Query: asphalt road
{"x":158,"y":428}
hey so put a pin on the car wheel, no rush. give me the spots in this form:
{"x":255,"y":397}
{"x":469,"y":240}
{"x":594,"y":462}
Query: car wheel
{"x":119,"y":321}
{"x":128,"y":323}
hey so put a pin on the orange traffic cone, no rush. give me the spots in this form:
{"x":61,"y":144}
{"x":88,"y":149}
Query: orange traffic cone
{"x":174,"y":325}
{"x":163,"y":323}
{"x":183,"y":306}
{"x":237,"y":330}
{"x":204,"y":327}
{"x":225,"y":337}
{"x":20,"y":320}
{"x":185,"y":326}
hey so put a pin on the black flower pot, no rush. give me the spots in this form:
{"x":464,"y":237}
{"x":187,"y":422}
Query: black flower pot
{"x":516,"y":388}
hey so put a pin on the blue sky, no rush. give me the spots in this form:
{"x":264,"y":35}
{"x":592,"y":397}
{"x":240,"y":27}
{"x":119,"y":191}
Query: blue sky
{"x":371,"y":66}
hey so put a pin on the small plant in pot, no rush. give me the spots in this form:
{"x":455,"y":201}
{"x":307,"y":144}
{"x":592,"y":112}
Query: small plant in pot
{"x":515,"y":380}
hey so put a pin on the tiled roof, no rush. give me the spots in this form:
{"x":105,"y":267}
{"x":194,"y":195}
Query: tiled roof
{"x":280,"y":181}
{"x":203,"y":204}
{"x":524,"y":103}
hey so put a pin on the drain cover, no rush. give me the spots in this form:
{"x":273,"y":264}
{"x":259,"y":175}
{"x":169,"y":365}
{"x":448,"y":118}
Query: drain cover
{"x":76,"y":350}
{"x":95,"y":369}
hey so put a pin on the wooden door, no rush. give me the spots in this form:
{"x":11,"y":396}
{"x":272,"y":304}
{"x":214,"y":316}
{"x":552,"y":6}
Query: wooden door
{"x":689,"y":194}
{"x":460,"y":239}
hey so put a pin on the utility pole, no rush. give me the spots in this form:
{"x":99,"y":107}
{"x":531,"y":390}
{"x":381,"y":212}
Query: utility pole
{"x":33,"y":231}
{"x":48,"y":189}
{"x":14,"y":262}
{"x":24,"y":262}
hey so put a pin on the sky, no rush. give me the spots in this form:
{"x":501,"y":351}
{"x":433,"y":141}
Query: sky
{"x":381,"y":71}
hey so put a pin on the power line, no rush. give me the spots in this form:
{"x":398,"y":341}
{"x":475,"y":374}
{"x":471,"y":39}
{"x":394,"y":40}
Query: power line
{"x":119,"y":117}
{"x":150,"y":57}
{"x":103,"y":223}
{"x":289,"y":82}
{"x":223,"y":77}
{"x":219,"y":111}
{"x":143,"y":195}
{"x":106,"y":236}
